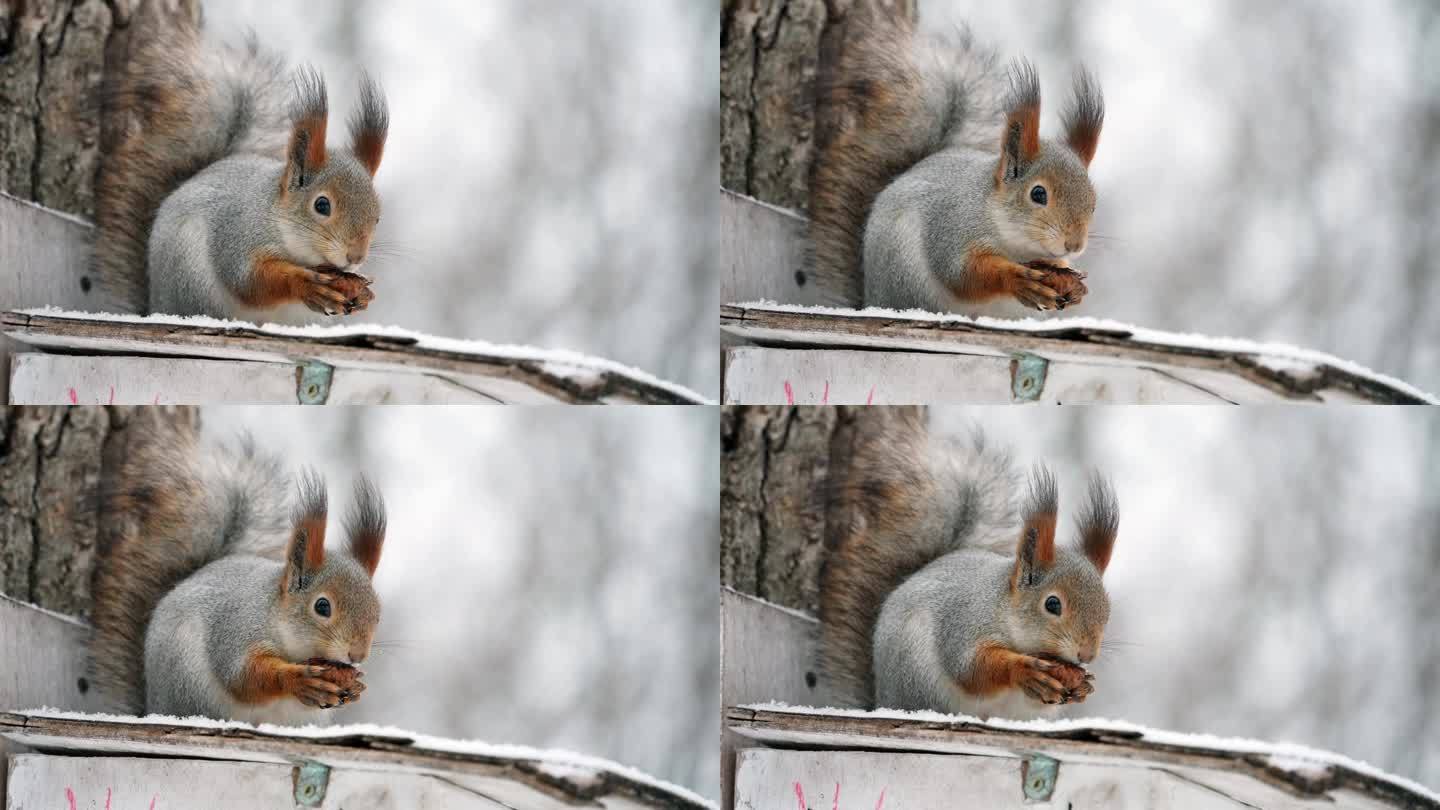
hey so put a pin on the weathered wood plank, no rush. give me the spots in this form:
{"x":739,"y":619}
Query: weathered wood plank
{"x":762,"y":253}
{"x":574,"y":379}
{"x":568,"y":781}
{"x":863,"y":780}
{"x":53,"y":379}
{"x":772,"y":376}
{"x":1264,"y":376}
{"x":43,"y":255}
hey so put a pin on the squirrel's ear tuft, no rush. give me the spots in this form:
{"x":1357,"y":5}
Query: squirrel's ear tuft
{"x":306,"y":552}
{"x":1020,"y":143}
{"x":1100,"y":522}
{"x":1085,"y":116}
{"x":308,"y":115}
{"x":1037,"y":536}
{"x":366,"y":524}
{"x":369,"y":124}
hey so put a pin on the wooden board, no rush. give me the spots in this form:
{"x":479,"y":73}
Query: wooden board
{"x":1093,"y":353}
{"x":1242,"y":773}
{"x":762,"y":253}
{"x":409,"y":767}
{"x":511,"y":376}
{"x":766,"y":653}
{"x":119,"y":380}
{"x":43,"y":256}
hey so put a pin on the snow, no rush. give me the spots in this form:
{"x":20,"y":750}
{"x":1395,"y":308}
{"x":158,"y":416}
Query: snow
{"x":1277,"y":356}
{"x":556,"y":762}
{"x":1310,"y":762}
{"x":579,"y":367}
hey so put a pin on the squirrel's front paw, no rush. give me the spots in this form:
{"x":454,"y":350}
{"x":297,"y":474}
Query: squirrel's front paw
{"x":327,"y":684}
{"x":333,"y":293}
{"x":1041,"y":680}
{"x":1045,"y":286}
{"x":1078,"y":683}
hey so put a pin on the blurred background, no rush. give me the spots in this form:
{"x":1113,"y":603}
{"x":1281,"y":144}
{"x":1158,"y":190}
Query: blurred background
{"x":1276,"y":571}
{"x":548,"y":576}
{"x":550,"y":173}
{"x":1267,"y":170}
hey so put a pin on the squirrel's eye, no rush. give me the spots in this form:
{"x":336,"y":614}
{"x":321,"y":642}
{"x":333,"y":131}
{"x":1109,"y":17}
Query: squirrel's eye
{"x":1037,"y":195}
{"x":322,"y":606}
{"x":1052,"y":605}
{"x":322,"y":205}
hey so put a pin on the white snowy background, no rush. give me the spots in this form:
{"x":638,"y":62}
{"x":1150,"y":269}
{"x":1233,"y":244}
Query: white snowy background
{"x":1268,"y":170}
{"x":1275,"y":573}
{"x":550,"y":172}
{"x":548,"y":576}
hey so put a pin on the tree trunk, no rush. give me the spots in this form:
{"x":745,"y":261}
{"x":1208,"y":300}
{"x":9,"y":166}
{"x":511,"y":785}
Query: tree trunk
{"x":52,"y":462}
{"x":52,"y":57}
{"x":775,"y":465}
{"x":770,"y":54}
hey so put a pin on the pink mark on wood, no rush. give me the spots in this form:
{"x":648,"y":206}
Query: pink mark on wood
{"x":157,"y":399}
{"x":74,"y":400}
{"x":789,"y":394}
{"x":107,"y":790}
{"x":825,"y":398}
{"x":152,"y":801}
{"x":870,"y":400}
{"x":111,"y":402}
{"x":880,"y":804}
{"x":70,"y":797}
{"x":836,"y":805}
{"x":799,"y":791}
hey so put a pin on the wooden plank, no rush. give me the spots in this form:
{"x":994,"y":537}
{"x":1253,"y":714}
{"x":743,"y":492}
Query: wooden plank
{"x":577,"y":379}
{"x":340,"y":748}
{"x":865,"y":780}
{"x":757,"y":375}
{"x":63,"y":379}
{"x":762,"y":250}
{"x":1324,"y":775}
{"x":766,"y":653}
{"x":39,"y":780}
{"x":1264,"y":376}
{"x":43,"y":257}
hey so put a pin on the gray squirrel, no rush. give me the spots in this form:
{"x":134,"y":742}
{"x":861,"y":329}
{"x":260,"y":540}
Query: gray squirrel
{"x":215,"y":592}
{"x":216,"y":193}
{"x":932,"y":187}
{"x":942,"y":591}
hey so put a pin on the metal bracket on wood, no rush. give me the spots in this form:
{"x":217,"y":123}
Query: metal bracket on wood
{"x":1037,"y":777}
{"x":1027,"y":376}
{"x":312,"y":382}
{"x":311,"y":780}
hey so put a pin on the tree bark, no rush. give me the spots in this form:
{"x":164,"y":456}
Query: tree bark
{"x":776,"y":463}
{"x":770,"y":53}
{"x":52,"y":464}
{"x":52,"y":58}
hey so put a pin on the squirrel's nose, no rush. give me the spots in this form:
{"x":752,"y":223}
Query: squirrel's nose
{"x":1075,"y":245}
{"x":358,"y":656}
{"x":355,"y":256}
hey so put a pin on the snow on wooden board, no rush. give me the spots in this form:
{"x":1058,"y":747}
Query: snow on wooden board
{"x":1128,"y":758}
{"x":196,"y":762}
{"x":157,"y":343}
{"x":812,"y":355}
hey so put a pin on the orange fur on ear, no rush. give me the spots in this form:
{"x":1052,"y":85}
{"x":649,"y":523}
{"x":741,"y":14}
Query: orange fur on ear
{"x":1099,"y":523}
{"x":309,"y":113}
{"x":1037,"y":536}
{"x":366,"y":525}
{"x":306,"y":551}
{"x":1020,"y":143}
{"x":369,"y":124}
{"x":1085,"y":117}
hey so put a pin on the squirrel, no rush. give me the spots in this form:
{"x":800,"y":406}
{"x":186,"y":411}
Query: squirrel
{"x":216,"y":193}
{"x":931,"y":186}
{"x":941,"y":591}
{"x":215,"y":593}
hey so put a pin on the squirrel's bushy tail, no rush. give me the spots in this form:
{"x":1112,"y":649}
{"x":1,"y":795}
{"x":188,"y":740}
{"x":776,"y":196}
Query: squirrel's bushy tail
{"x":892,"y":97}
{"x":170,"y":506}
{"x":904,"y":500}
{"x":171,"y":106}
